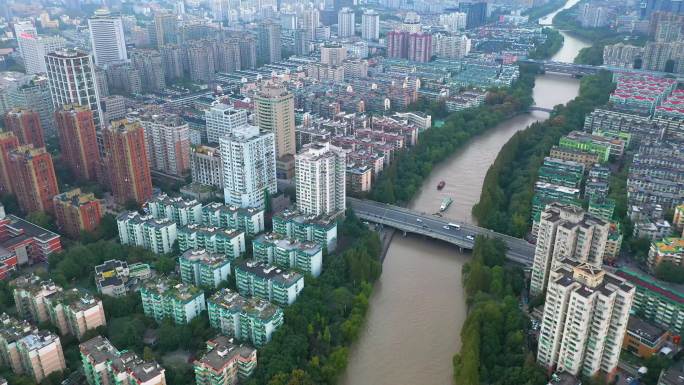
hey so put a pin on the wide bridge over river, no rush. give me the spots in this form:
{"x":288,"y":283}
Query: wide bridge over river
{"x":433,"y":226}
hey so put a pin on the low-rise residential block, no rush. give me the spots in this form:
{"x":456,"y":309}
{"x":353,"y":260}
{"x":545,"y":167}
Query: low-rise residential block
{"x":75,"y":312}
{"x":153,"y":234}
{"x":274,"y":248}
{"x":28,"y":351}
{"x":320,"y":229}
{"x":643,"y":338}
{"x":254,"y":320}
{"x":163,"y":298}
{"x":116,"y":278}
{"x":248,"y":220}
{"x":181,"y":211}
{"x":268,"y":282}
{"x":201,"y":268}
{"x":215,"y":240}
{"x":656,"y":301}
{"x":667,"y":250}
{"x":105,"y":364}
{"x":225,"y":362}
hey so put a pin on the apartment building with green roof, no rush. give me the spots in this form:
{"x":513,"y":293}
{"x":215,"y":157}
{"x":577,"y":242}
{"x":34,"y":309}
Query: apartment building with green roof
{"x":268,"y":282}
{"x":274,"y":248}
{"x":655,"y":300}
{"x":164,"y":298}
{"x":247,"y":319}
{"x":201,"y":268}
{"x":319,"y":229}
{"x":228,"y":242}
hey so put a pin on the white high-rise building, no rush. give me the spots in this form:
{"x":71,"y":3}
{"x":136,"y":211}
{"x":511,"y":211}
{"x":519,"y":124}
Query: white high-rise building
{"x":370,"y":25}
{"x":71,"y":75}
{"x":566,"y":231}
{"x":450,"y":46}
{"x":310,"y":19}
{"x":107,"y":38}
{"x":453,"y":22}
{"x":249,"y":166}
{"x":34,"y":48}
{"x":333,"y":54}
{"x":346,"y":23}
{"x":320,"y":176}
{"x":222,"y":119}
{"x":585,"y":319}
{"x":24,"y":27}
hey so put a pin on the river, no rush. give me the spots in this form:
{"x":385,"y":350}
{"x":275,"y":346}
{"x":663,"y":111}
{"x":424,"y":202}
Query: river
{"x":418,"y":306}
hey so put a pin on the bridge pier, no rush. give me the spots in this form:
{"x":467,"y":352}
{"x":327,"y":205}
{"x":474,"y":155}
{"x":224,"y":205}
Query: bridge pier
{"x":404,"y":233}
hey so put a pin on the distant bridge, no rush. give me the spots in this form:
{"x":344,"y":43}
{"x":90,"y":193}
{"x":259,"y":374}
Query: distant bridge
{"x":564,"y":68}
{"x":585,"y":69}
{"x":537,"y":108}
{"x":409,"y":221}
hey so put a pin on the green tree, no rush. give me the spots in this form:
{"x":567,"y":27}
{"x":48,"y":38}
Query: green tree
{"x":42,"y":219}
{"x":148,"y":354}
{"x":668,"y":271}
{"x":268,"y":208}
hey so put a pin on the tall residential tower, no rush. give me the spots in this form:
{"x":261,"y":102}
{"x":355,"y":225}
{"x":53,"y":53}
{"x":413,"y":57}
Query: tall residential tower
{"x":249,"y":169}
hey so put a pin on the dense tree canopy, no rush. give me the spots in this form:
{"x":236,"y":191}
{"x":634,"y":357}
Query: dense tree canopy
{"x":494,"y":335}
{"x":506,"y":200}
{"x":312,"y":346}
{"x":552,"y":44}
{"x":404,"y":177}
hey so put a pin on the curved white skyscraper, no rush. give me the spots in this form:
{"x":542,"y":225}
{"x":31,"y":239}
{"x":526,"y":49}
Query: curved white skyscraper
{"x":107,"y":38}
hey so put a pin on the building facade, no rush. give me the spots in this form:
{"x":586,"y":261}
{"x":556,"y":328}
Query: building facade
{"x":163,"y":298}
{"x":585,"y":320}
{"x":260,"y":280}
{"x":8,"y":142}
{"x":206,"y":167}
{"x":320,"y":177}
{"x":566,"y":231}
{"x":222,"y":119}
{"x":228,"y":242}
{"x":33,"y":178}
{"x":105,"y":364}
{"x":26,"y":126}
{"x":126,"y":161}
{"x":346,"y":24}
{"x":76,"y":212}
{"x":34,"y":48}
{"x":225,"y":362}
{"x":370,"y":25}
{"x":107,"y":38}
{"x":167,"y":139}
{"x":200,"y":268}
{"x":275,"y":249}
{"x":274,"y":111}
{"x":71,"y":75}
{"x":269,"y":42}
{"x":253,"y":320}
{"x":249,"y":172}
{"x":157,"y":235}
{"x":78,"y":141}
